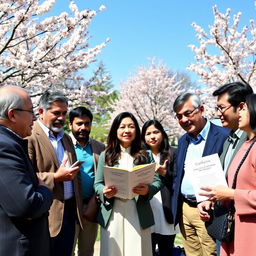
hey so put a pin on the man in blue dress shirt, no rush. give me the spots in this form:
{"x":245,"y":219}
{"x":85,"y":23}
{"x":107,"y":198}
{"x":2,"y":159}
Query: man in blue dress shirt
{"x":202,"y":138}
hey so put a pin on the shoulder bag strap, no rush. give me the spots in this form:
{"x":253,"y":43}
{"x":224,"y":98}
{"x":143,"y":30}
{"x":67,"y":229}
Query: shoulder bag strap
{"x":242,"y":161}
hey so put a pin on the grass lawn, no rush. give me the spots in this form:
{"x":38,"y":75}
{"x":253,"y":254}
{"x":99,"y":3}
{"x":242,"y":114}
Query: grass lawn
{"x":98,"y":235}
{"x":178,"y":241}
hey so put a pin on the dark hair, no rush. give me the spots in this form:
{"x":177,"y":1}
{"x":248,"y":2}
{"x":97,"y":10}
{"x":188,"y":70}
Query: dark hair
{"x":113,"y":149}
{"x":164,"y":149}
{"x":251,"y":104}
{"x":80,"y":112}
{"x":237,"y":92}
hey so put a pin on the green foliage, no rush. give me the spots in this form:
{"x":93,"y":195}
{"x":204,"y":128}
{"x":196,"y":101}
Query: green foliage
{"x":104,"y":104}
{"x":103,"y":101}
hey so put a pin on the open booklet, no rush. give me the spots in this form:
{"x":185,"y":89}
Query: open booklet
{"x":125,"y":180}
{"x":205,"y":172}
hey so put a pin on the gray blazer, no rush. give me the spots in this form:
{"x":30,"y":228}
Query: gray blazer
{"x":145,"y":213}
{"x":240,"y":142}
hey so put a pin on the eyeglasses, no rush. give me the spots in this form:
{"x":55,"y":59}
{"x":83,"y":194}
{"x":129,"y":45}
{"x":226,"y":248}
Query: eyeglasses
{"x":25,"y":110}
{"x":186,"y":114}
{"x":222,"y":109}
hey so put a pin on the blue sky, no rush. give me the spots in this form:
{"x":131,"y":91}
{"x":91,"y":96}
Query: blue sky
{"x":142,"y":29}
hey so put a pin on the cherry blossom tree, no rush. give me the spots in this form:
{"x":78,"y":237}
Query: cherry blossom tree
{"x":226,"y":53}
{"x":150,"y":94}
{"x":38,"y":52}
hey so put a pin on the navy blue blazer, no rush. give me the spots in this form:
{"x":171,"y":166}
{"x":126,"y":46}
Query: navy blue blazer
{"x":24,"y":204}
{"x":214,"y":144}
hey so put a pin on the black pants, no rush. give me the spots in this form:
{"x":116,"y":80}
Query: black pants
{"x":62,"y":244}
{"x":165,"y":244}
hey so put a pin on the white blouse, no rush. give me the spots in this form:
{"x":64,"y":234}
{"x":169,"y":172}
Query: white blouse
{"x":126,"y":160}
{"x":161,"y":225}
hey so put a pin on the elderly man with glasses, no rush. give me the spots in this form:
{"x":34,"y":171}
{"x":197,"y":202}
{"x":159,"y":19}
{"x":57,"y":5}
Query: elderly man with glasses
{"x":24,"y":198}
{"x":202,"y":138}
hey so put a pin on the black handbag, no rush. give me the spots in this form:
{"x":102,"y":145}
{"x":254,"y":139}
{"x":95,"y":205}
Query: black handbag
{"x":221,"y":225}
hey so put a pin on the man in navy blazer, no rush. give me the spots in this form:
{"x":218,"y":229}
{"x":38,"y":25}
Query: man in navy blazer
{"x":202,"y":138}
{"x":24,"y":199}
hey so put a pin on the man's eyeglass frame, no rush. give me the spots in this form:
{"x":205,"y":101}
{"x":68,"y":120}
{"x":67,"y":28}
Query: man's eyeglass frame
{"x":25,"y":110}
{"x":221,"y":109}
{"x":186,"y":114}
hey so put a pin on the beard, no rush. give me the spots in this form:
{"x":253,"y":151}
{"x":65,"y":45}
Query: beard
{"x":57,"y":129}
{"x":82,"y":136}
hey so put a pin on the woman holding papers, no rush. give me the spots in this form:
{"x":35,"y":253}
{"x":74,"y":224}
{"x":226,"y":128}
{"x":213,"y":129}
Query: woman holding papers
{"x":125,"y":223}
{"x":155,"y":139}
{"x":244,"y":195}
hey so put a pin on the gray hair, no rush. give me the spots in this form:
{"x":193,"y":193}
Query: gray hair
{"x":10,"y":100}
{"x":184,"y":97}
{"x":48,"y":98}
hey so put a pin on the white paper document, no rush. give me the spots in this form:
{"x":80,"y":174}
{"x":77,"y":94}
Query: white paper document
{"x":205,"y":172}
{"x":125,"y":180}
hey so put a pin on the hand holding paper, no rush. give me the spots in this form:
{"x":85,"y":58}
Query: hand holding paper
{"x":206,"y":172}
{"x":218,"y":193}
{"x":109,"y":191}
{"x":141,"y":189}
{"x":127,"y":182}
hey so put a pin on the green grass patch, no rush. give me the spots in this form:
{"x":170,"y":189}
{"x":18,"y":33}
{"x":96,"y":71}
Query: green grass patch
{"x":98,"y":235}
{"x":178,"y":240}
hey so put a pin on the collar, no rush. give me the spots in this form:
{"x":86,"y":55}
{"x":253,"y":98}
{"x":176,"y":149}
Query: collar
{"x":125,"y":150}
{"x":234,"y":137}
{"x":236,"y":134}
{"x":17,"y":137}
{"x":13,"y":132}
{"x":49,"y":133}
{"x":202,"y":135}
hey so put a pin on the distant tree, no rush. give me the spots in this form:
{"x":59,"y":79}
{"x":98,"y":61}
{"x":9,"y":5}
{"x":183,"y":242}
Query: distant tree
{"x":150,"y":94}
{"x":39,"y":52}
{"x":104,"y":99}
{"x":226,"y":53}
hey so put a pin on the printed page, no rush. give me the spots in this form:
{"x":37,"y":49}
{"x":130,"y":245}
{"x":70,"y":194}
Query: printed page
{"x":142,"y":174}
{"x":119,"y":178}
{"x":125,"y":180}
{"x":206,"y":171}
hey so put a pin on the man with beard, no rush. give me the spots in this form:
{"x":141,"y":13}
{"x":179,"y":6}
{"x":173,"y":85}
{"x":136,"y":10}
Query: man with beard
{"x":87,"y":150}
{"x":52,"y":153}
